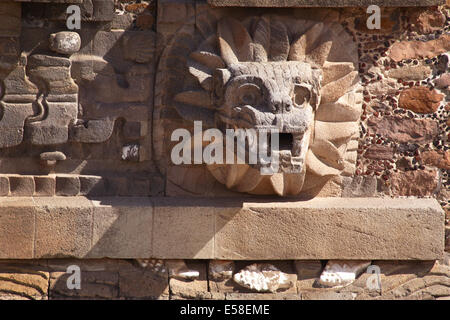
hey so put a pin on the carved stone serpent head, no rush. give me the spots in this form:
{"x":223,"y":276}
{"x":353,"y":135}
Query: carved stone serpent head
{"x":297,"y":77}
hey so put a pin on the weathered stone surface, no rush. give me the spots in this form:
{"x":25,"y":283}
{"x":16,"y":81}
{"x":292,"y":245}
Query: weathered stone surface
{"x":379,"y":152}
{"x":427,"y":21}
{"x":414,"y":183}
{"x":235,"y":230}
{"x":143,"y":284}
{"x":54,"y":155}
{"x":63,"y":227}
{"x":23,"y":281}
{"x":4,"y":186}
{"x":45,"y":186}
{"x":122,"y":228}
{"x":367,"y":228}
{"x":10,"y":14}
{"x":420,"y":99}
{"x":67,"y":185}
{"x":438,"y":159}
{"x":447,"y":238}
{"x":65,"y":42}
{"x":16,"y":228}
{"x":183,"y":230}
{"x":410,"y":73}
{"x":322,"y":3}
{"x":94,"y":285}
{"x":92,"y":186}
{"x":415,"y":49}
{"x":444,"y":81}
{"x":21,"y":185}
{"x":404,"y":130}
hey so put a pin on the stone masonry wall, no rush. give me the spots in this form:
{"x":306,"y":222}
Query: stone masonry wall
{"x":79,"y":122}
{"x":206,"y":280}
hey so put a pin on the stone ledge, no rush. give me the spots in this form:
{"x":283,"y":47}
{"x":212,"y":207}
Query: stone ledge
{"x":175,"y":228}
{"x":324,"y":3}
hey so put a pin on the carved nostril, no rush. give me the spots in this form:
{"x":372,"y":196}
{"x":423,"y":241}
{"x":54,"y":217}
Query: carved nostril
{"x":288,"y":107}
{"x":275,"y":107}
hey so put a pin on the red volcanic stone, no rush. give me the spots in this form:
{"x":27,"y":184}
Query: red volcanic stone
{"x":377,"y":152}
{"x":436,"y":158}
{"x":419,"y":183}
{"x":404,"y":130}
{"x":420,"y":100}
{"x":414,"y":49}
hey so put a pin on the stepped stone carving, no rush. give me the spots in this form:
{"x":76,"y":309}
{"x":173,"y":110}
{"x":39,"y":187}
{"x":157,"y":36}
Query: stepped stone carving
{"x":296,"y":76}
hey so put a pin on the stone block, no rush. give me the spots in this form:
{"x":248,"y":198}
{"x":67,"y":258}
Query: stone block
{"x":331,"y":228}
{"x":45,"y":186}
{"x":94,"y":285}
{"x":143,"y":284}
{"x":116,"y":186}
{"x":16,"y":228}
{"x":183,"y":229}
{"x":92,"y":186}
{"x":138,"y":186}
{"x":176,"y":11}
{"x":4,"y":186}
{"x":63,"y":227}
{"x":122,"y":228}
{"x":10,"y":15}
{"x":67,"y":185}
{"x":21,"y":185}
{"x":359,"y":186}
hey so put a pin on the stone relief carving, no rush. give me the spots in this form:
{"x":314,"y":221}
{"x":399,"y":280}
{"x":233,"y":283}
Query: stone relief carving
{"x":297,"y":76}
{"x":51,"y":99}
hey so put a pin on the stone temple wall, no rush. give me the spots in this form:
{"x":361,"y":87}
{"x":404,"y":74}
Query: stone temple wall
{"x":86,"y":177}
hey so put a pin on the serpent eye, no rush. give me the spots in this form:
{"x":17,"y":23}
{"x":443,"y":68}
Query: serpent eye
{"x":302,"y":95}
{"x":249,"y":94}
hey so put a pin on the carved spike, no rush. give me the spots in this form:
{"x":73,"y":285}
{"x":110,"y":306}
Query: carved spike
{"x":210,"y":60}
{"x":234,"y":41}
{"x":261,"y":40}
{"x":306,"y":43}
{"x":279,"y":39}
{"x":346,"y":109}
{"x":277,"y":181}
{"x":297,"y":51}
{"x":202,"y":73}
{"x":333,"y":71}
{"x":333,"y":155}
{"x":319,"y":54}
{"x":195,"y":98}
{"x":334,"y":90}
{"x":317,"y":167}
{"x":337,"y":133}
